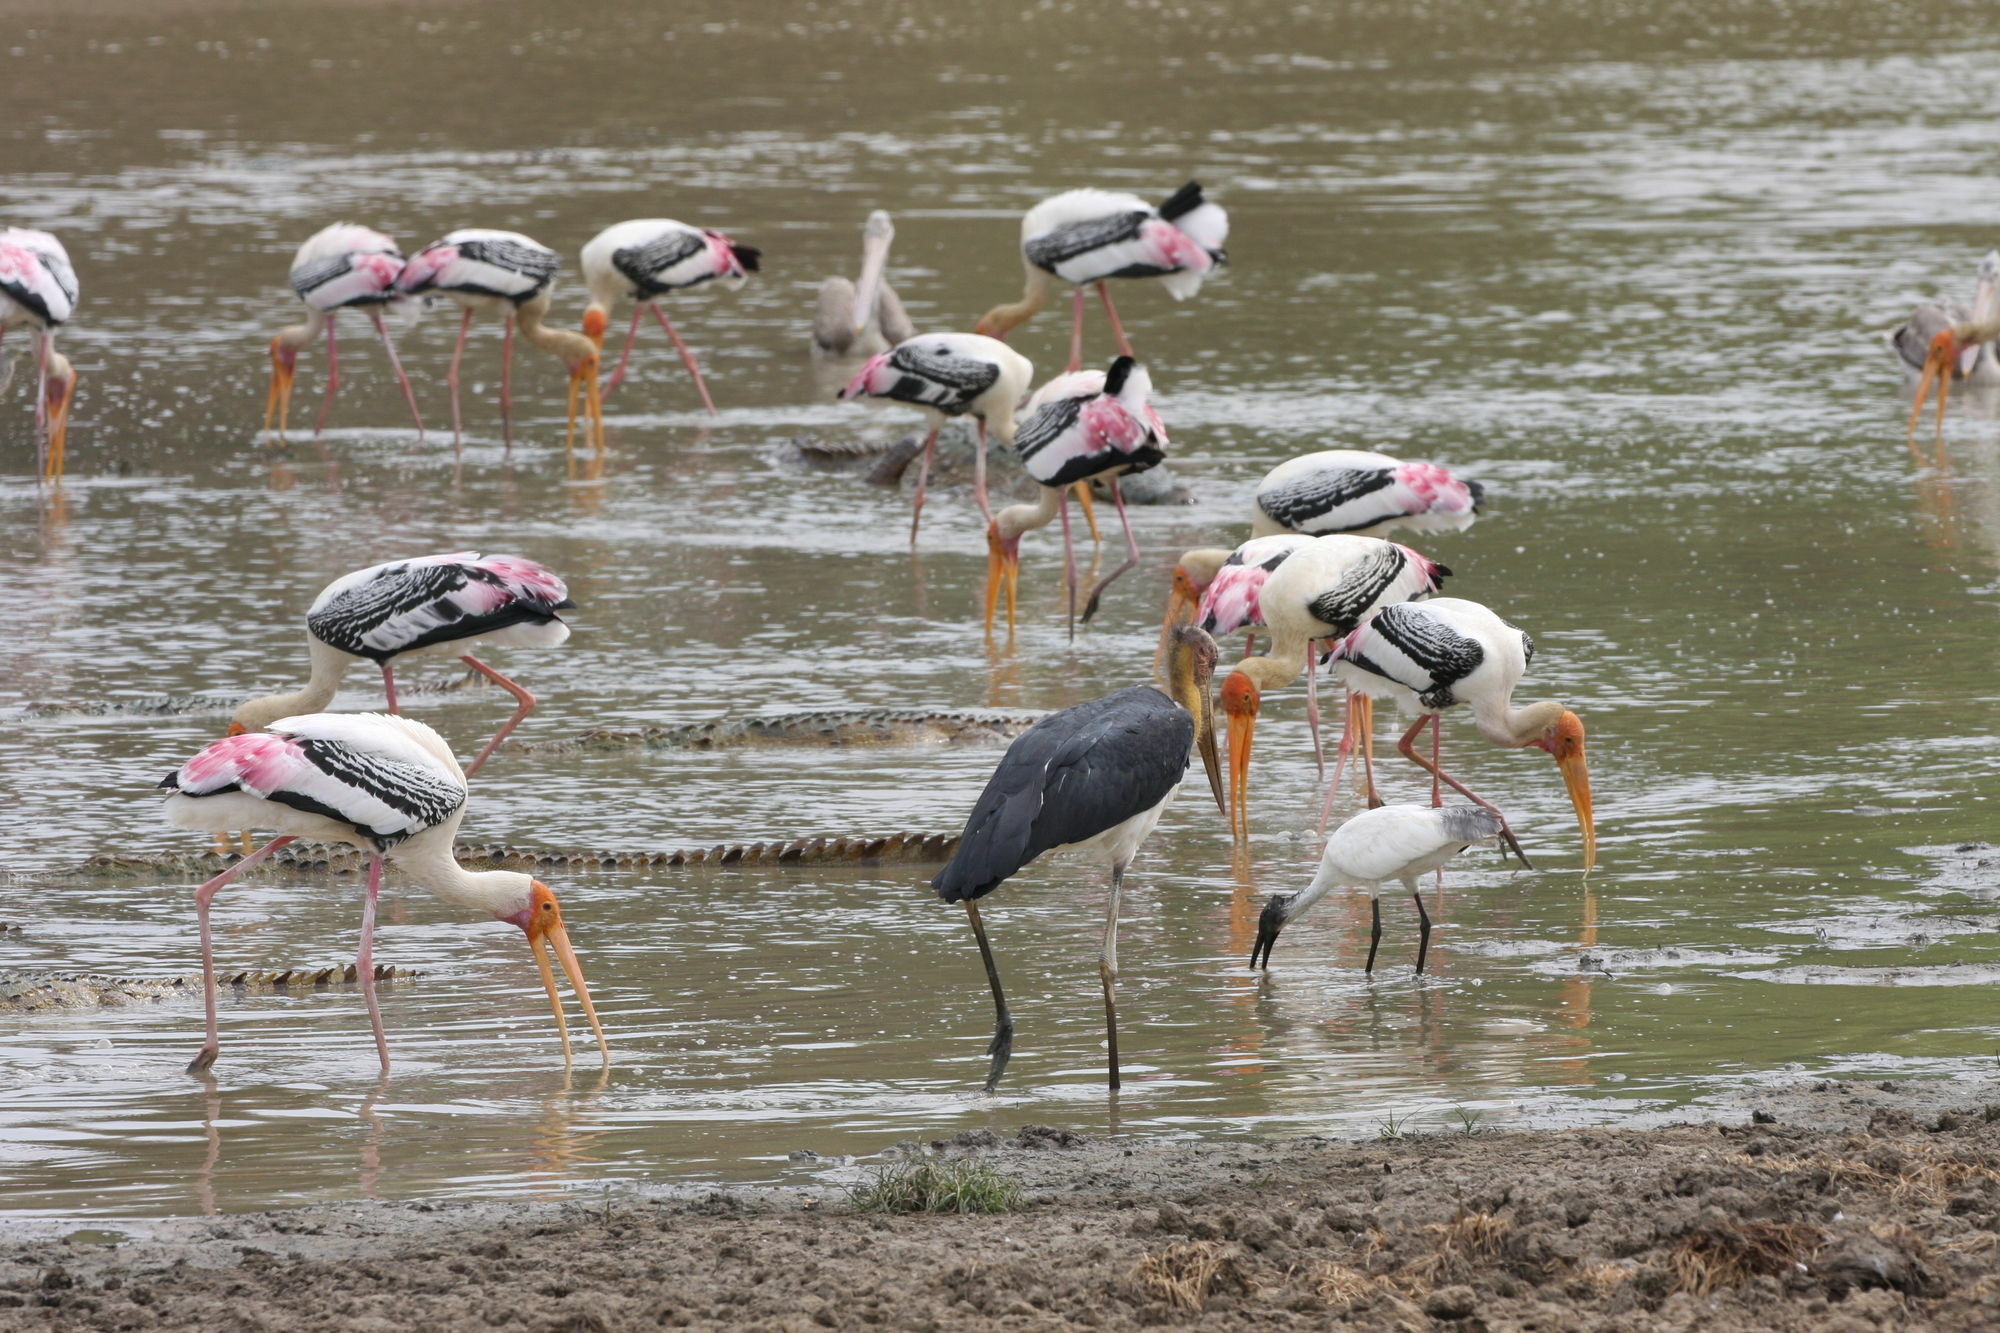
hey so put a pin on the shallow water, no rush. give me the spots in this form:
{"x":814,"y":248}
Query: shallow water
{"x":1631,"y":278}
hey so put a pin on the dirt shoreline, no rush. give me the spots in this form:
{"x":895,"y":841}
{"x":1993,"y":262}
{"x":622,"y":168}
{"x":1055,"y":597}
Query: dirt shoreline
{"x":1836,"y":1206}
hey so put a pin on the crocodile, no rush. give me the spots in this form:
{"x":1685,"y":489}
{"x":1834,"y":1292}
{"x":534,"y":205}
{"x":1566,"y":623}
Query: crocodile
{"x":299,"y":857}
{"x":830,"y":727}
{"x":31,"y":992}
{"x":187,"y":705}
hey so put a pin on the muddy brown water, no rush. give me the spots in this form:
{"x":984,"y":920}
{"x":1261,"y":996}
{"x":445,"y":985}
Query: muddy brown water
{"x":1630,"y":277}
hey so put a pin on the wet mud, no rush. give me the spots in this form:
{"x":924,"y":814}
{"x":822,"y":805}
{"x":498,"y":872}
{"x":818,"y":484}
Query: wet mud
{"x":1839,"y":1206}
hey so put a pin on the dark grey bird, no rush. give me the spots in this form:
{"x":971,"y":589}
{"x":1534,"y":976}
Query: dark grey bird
{"x":1092,"y":778}
{"x":863,"y":317}
{"x":1402,"y":842}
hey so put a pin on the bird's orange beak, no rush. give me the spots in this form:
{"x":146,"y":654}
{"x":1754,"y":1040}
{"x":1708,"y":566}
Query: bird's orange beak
{"x":1239,"y":703}
{"x":545,"y":927}
{"x":61,"y":393}
{"x":1182,"y":604}
{"x":236,"y":729}
{"x":583,"y":384}
{"x":1938,"y":367}
{"x":278,"y":402}
{"x":1567,"y":747}
{"x":1003,"y":569}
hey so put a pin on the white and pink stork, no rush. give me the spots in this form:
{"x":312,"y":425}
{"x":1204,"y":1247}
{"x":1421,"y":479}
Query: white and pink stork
{"x":484,"y":270}
{"x":386,"y":785}
{"x":341,"y":267}
{"x":1089,"y":423}
{"x":647,"y":258}
{"x":38,"y":291}
{"x":1332,"y":492}
{"x":1434,"y":655}
{"x":435,"y":604}
{"x":1321,"y":592}
{"x":1086,"y":237}
{"x":949,"y":375}
{"x":1231,"y":601}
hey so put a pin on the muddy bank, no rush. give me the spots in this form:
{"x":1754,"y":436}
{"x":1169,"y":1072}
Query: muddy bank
{"x":1839,"y":1206}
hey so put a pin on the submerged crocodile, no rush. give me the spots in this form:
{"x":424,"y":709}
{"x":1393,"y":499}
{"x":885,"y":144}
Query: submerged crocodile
{"x":831,"y":727}
{"x":896,"y":848}
{"x":30,"y":992}
{"x":181,"y":705}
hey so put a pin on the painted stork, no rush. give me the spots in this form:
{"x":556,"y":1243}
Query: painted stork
{"x":1091,"y":778}
{"x":1432,"y":655}
{"x":341,"y":267}
{"x":949,"y":375}
{"x":428,"y":605}
{"x":863,"y":317}
{"x":1320,"y":592}
{"x":1085,"y":237}
{"x":1229,"y":601}
{"x":1399,"y":842}
{"x":1943,"y":341}
{"x":484,"y":270}
{"x":1338,"y":491}
{"x":387,"y":785}
{"x":38,"y":291}
{"x":1090,"y":423}
{"x":643,"y":260}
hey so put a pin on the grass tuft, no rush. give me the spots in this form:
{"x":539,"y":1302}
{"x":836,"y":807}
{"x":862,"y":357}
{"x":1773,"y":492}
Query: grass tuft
{"x":1185,"y":1275}
{"x":1729,"y":1256}
{"x":929,"y":1185}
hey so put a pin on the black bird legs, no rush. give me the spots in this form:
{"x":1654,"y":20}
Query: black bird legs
{"x":1375,"y":931}
{"x":1107,"y":968}
{"x":1002,"y":1045}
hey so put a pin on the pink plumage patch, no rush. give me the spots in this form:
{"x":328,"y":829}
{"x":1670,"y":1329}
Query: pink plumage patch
{"x":1108,"y":423}
{"x":1171,"y":248}
{"x":864,"y":380}
{"x":258,"y":762}
{"x":723,"y":255}
{"x":525,"y":577}
{"x":1230,"y":600}
{"x":1434,"y":488}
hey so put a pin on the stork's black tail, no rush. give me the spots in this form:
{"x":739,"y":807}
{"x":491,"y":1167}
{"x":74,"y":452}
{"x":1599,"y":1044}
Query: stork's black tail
{"x":747,"y":255}
{"x":1182,"y":201}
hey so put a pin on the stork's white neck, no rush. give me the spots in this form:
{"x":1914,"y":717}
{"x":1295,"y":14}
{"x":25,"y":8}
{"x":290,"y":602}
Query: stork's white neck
{"x":1017,"y":519}
{"x":502,"y":893}
{"x":298,"y":335}
{"x":1503,"y":724}
{"x":328,"y":663}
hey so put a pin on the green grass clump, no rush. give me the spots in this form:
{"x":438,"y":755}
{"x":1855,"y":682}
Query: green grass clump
{"x":932,"y":1185}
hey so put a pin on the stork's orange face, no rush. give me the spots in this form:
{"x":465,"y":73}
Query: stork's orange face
{"x":594,"y":324}
{"x":1564,"y":742}
{"x":1240,"y":702}
{"x":278,"y":401}
{"x":1003,"y":570}
{"x":541,"y":920}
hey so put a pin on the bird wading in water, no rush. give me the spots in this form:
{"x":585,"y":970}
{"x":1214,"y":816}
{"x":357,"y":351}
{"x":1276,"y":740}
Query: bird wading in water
{"x":1091,"y":778}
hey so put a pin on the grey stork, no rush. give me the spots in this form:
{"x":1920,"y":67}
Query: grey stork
{"x":1091,"y":778}
{"x":1400,"y":842}
{"x":865,"y":316}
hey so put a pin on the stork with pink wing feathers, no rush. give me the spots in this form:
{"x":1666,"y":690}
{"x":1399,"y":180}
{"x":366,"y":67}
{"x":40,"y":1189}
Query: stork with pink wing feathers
{"x":39,"y":291}
{"x":342,"y":267}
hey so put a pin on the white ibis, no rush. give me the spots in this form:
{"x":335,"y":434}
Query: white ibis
{"x":483,"y":270}
{"x":647,"y":258}
{"x":1085,"y":237}
{"x":949,"y":375}
{"x":1090,"y":423}
{"x":342,"y":267}
{"x":1338,"y":491}
{"x":1434,"y":655}
{"x":1943,"y":341}
{"x":1399,"y":842}
{"x":387,"y":785}
{"x":865,"y":316}
{"x":428,"y":605}
{"x":38,"y":291}
{"x":1092,"y":778}
{"x":1320,"y":592}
